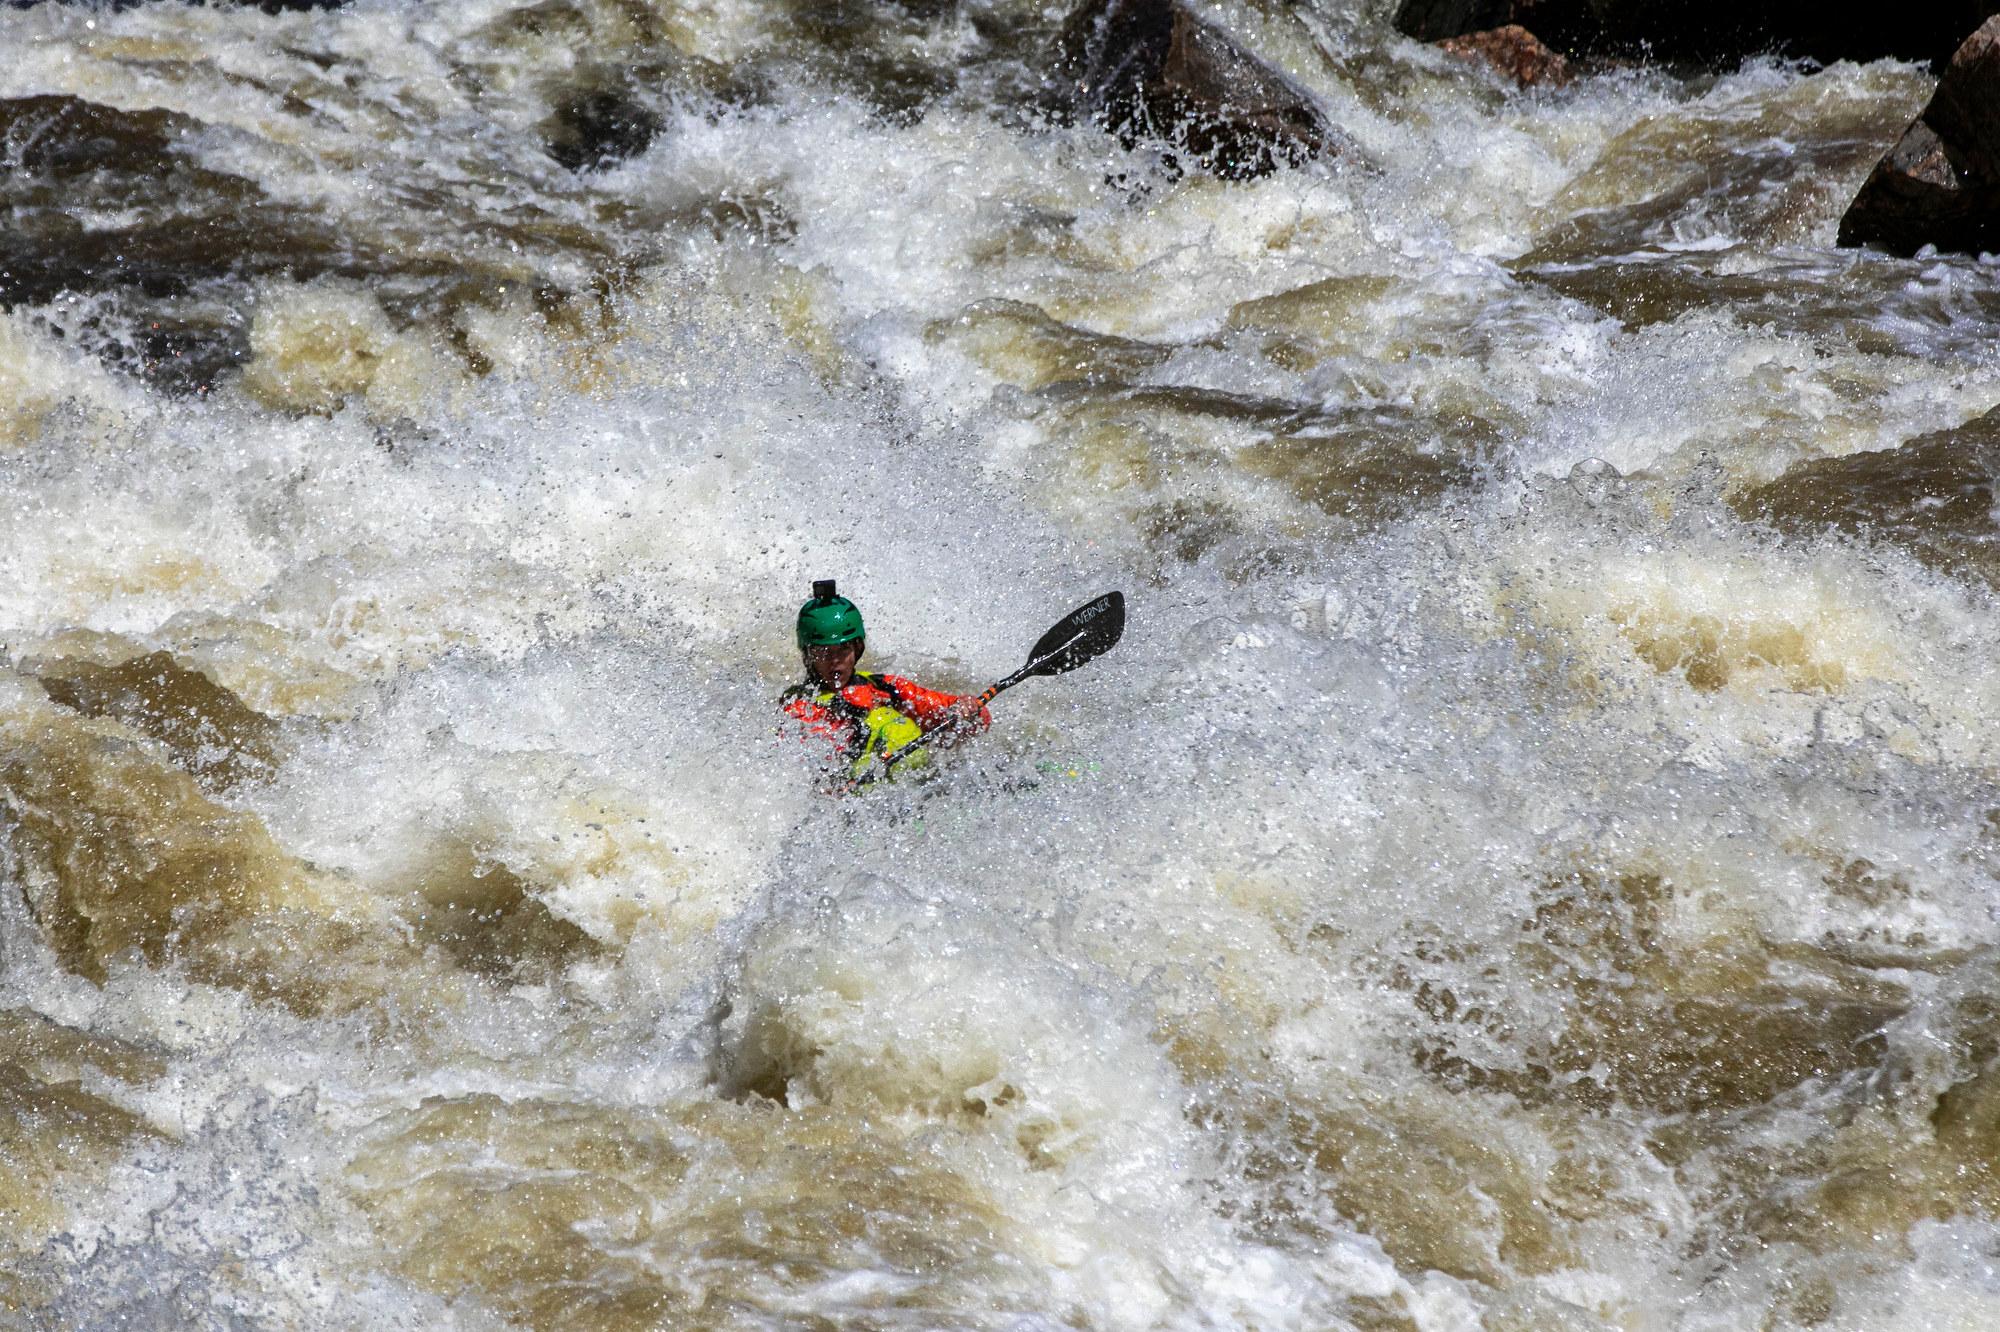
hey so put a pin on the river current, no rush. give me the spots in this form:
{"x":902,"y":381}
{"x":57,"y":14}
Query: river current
{"x":1531,"y":863}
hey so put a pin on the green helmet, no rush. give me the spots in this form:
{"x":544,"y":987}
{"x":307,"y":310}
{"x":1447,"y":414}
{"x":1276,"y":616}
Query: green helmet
{"x":828,"y":619}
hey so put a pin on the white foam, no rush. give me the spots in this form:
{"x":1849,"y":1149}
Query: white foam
{"x":538,"y":618}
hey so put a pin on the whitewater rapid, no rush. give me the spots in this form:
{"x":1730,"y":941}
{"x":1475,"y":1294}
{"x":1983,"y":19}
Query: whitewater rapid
{"x":1530,"y":863}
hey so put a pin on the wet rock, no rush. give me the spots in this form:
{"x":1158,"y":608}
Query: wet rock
{"x":82,"y":186}
{"x":66,"y":157}
{"x":599,"y":128}
{"x":607,"y":112}
{"x":1514,"y":52}
{"x":1150,"y":71}
{"x":1940,"y":184}
{"x":1965,"y":110}
{"x":1917,"y":197}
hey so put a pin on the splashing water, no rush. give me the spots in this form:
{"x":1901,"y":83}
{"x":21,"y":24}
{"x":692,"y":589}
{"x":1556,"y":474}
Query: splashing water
{"x":1530,"y":863}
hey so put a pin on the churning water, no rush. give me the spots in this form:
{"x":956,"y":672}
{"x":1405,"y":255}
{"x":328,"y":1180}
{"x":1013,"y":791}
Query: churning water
{"x":1530,"y":865}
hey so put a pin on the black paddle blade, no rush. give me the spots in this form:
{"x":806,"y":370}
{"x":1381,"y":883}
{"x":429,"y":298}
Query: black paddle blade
{"x":1083,"y":635}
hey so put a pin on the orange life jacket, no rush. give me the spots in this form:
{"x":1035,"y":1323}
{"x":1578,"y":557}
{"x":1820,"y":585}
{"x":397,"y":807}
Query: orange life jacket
{"x":870,"y":719}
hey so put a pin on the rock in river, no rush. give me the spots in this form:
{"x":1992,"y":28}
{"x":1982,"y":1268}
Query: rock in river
{"x":1149,"y":70}
{"x":1940,"y":184}
{"x":1514,"y":52}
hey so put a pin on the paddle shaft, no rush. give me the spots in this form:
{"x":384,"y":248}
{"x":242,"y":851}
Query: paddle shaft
{"x":1079,"y":637}
{"x":991,"y":692}
{"x":986,"y":696}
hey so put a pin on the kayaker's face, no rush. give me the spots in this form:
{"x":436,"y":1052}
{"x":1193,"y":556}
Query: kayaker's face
{"x":833,"y":664}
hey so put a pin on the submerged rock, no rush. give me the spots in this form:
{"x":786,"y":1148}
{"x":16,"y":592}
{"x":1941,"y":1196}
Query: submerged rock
{"x":609,"y":113}
{"x":105,"y":201}
{"x":599,"y":127}
{"x":490,"y":920}
{"x":1514,"y":52}
{"x":207,"y":729}
{"x":76,"y":170}
{"x":1149,"y":70}
{"x":1940,"y":184}
{"x":1932,"y":495}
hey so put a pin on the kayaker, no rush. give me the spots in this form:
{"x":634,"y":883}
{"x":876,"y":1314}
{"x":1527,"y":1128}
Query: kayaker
{"x":862,"y":718}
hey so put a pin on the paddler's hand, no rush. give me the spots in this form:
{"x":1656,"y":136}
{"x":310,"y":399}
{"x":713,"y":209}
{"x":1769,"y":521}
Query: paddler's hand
{"x":961,"y":718}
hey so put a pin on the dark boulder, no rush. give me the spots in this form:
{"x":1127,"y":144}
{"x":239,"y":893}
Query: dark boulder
{"x":1150,"y":71}
{"x":1513,"y":52}
{"x":1965,"y":109}
{"x":101,"y":200}
{"x":592,"y":128}
{"x":607,"y":113}
{"x":1940,"y":184}
{"x":1710,"y":32}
